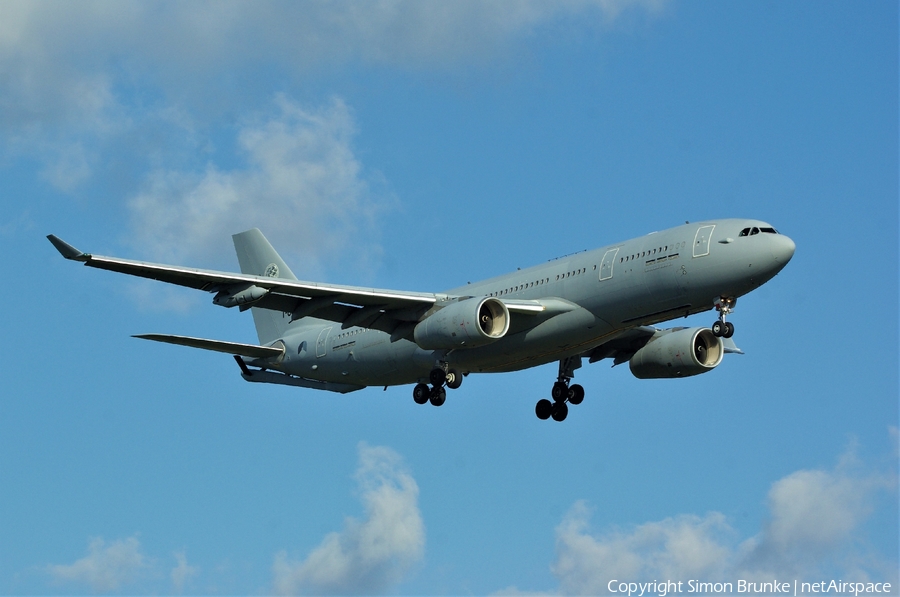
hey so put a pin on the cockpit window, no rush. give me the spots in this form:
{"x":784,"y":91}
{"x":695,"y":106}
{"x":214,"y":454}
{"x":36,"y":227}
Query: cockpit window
{"x":752,"y":231}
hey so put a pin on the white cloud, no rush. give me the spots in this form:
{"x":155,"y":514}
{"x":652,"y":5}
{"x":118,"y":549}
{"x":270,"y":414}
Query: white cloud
{"x":368,"y":556}
{"x":152,"y":297}
{"x":68,"y":168}
{"x":110,"y":73}
{"x":682,"y":547}
{"x":177,"y":39}
{"x":107,"y":567}
{"x":182,"y":572}
{"x":301,"y":185}
{"x":815,"y":526}
{"x":814,"y":516}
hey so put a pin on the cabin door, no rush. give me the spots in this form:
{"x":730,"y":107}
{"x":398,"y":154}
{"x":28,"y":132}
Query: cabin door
{"x":606,"y":266}
{"x":701,"y":240}
{"x":322,"y":342}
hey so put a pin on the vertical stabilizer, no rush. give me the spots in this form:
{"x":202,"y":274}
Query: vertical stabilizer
{"x":258,"y":258}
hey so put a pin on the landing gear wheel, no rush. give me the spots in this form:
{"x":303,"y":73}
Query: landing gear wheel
{"x":576,"y":394}
{"x":560,"y":392}
{"x":438,"y":396}
{"x":729,"y":330}
{"x":437,"y":377}
{"x":544,"y":409}
{"x":718,"y":329}
{"x":454,"y":379}
{"x":560,"y":411}
{"x":421,"y":393}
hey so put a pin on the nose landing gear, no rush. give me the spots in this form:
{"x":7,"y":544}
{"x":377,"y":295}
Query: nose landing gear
{"x":562,"y":393}
{"x":721,"y":328}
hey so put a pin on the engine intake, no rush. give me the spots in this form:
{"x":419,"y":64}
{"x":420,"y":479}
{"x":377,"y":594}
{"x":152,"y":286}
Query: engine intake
{"x":469,"y":323}
{"x":679,"y":352}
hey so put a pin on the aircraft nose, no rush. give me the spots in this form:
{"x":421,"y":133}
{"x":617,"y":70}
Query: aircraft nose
{"x":782,"y":249}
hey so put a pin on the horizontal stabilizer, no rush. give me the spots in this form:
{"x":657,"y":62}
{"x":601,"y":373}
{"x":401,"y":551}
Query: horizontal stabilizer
{"x":67,"y":250}
{"x":300,"y":382}
{"x":235,"y":348}
{"x":730,"y":347}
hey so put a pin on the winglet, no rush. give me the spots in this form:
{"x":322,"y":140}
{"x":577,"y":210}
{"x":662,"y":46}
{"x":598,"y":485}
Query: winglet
{"x":67,"y":250}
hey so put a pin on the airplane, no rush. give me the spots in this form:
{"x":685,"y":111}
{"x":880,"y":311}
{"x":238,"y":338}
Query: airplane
{"x":594,"y":305}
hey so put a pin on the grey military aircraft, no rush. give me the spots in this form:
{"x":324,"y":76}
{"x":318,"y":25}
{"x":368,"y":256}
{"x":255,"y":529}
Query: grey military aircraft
{"x":593,"y":305}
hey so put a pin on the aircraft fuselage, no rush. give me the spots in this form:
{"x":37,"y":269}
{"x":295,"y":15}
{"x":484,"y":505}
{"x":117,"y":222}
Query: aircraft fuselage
{"x":592,"y":297}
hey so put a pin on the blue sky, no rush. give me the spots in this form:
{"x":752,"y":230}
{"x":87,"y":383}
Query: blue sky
{"x":419,"y":145}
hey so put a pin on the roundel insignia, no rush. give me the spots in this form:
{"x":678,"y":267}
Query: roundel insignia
{"x":271,"y":271}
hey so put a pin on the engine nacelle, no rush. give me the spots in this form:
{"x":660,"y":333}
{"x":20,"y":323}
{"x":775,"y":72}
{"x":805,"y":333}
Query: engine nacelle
{"x":469,"y":323}
{"x":680,"y":352}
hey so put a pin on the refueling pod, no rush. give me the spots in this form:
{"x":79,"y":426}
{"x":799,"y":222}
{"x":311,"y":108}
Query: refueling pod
{"x":468,"y":323}
{"x":679,"y":352}
{"x":239,"y":295}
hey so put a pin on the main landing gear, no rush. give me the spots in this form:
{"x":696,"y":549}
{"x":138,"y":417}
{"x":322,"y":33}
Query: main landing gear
{"x":438,"y":377}
{"x":721,"y":328}
{"x":562,"y":393}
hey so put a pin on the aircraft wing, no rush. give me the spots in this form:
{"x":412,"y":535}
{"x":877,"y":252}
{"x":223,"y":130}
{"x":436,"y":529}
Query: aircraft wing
{"x":392,"y":311}
{"x":290,"y":296}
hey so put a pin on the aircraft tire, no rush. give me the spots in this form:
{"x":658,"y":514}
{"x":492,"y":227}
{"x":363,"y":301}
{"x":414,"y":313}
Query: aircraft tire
{"x":729,"y":330}
{"x":576,"y":394}
{"x":421,"y":393}
{"x":718,"y":329}
{"x":544,"y":409}
{"x":438,"y":396}
{"x":560,"y":411}
{"x":454,"y":379}
{"x":437,"y":376}
{"x":559,"y":392}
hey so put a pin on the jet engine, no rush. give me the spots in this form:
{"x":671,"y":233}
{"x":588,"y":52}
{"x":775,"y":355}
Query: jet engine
{"x":679,"y":352}
{"x":468,"y":323}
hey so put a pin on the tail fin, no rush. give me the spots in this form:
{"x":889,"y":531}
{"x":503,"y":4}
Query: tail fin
{"x":258,"y":258}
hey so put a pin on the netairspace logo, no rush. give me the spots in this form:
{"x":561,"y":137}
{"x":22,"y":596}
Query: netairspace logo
{"x":795,"y":588}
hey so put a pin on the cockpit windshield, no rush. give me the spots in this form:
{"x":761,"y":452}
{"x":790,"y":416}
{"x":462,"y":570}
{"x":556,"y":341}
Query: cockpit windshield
{"x":755,"y":230}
